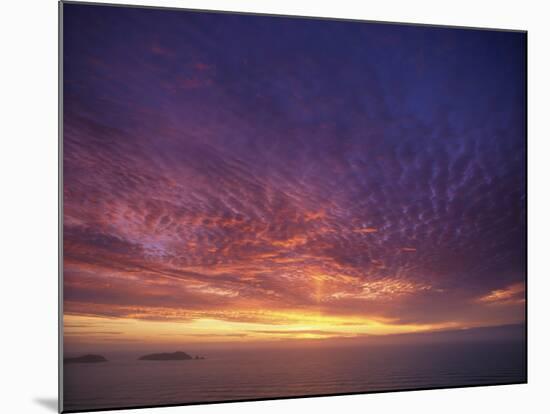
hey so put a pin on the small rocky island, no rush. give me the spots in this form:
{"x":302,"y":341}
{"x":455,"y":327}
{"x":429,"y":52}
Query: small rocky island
{"x":85,"y":359}
{"x":168,"y":356}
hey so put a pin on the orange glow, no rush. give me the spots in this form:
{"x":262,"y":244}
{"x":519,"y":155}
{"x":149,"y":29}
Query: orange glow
{"x":513,"y":294}
{"x":366,"y":230}
{"x":273,"y":326}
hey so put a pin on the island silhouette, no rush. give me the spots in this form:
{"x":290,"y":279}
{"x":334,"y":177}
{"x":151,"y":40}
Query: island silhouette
{"x":85,"y":359}
{"x":163,"y":356}
{"x":169,"y":356}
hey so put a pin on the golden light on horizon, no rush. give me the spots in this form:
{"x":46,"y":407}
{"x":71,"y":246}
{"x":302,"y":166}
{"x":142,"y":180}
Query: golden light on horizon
{"x":274,"y":325}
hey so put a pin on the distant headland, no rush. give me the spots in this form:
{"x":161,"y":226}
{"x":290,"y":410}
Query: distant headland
{"x":167,"y":356}
{"x":85,"y":359}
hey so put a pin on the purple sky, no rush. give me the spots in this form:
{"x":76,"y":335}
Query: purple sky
{"x":218,"y":164}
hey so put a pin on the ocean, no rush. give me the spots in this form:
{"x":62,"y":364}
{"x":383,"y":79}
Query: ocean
{"x":241,"y":374}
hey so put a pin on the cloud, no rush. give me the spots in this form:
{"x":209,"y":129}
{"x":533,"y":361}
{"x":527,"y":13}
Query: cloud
{"x":510,"y":295}
{"x":162,"y":51}
{"x":303,"y":333}
{"x":209,"y":178}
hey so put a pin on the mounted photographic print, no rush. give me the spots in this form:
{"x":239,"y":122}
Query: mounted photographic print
{"x":259,"y":207}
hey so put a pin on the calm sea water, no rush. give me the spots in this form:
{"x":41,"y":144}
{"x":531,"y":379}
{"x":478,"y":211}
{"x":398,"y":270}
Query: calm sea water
{"x":263,"y":373}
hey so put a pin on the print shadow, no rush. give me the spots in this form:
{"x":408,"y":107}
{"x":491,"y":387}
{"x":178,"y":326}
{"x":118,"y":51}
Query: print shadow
{"x":49,"y":403}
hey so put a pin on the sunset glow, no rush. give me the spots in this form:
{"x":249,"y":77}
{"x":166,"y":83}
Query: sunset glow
{"x":250,"y":180}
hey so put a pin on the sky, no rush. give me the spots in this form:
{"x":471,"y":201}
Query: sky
{"x":237,"y":178}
